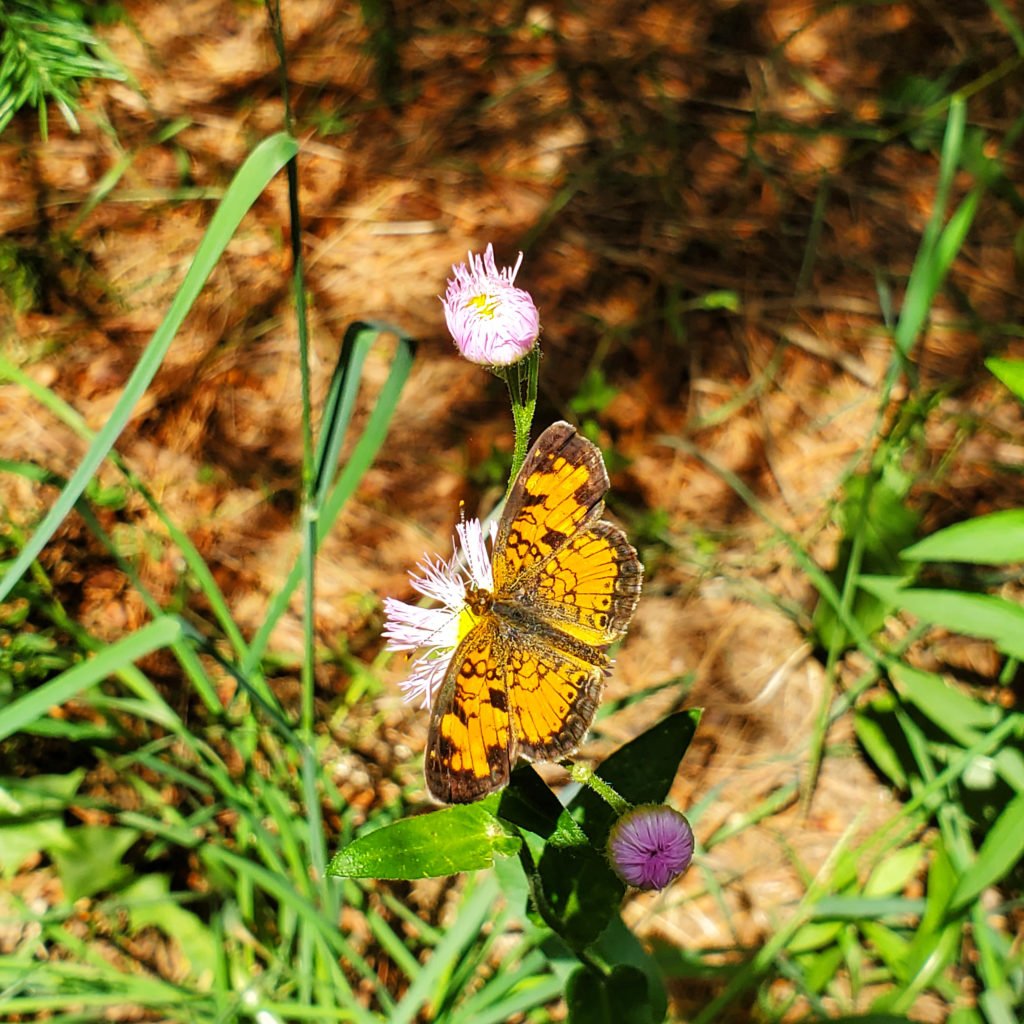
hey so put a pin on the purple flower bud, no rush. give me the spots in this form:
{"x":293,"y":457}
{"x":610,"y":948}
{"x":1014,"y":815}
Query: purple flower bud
{"x":650,"y":846}
{"x":493,"y":322}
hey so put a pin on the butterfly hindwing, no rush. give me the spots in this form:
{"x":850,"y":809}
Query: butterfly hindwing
{"x":590,"y":587}
{"x":555,"y":696}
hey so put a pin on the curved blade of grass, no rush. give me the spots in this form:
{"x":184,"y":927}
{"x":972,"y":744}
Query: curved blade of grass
{"x":161,"y":633}
{"x":363,"y":454}
{"x":250,"y":181}
{"x":1000,"y":853}
{"x":939,"y":245}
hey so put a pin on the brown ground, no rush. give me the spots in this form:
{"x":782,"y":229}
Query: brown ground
{"x":643,"y":156}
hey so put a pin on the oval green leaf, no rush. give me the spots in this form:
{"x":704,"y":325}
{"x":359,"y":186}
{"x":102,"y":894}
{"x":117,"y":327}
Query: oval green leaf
{"x":999,"y":854}
{"x":433,"y":845}
{"x":985,"y":540}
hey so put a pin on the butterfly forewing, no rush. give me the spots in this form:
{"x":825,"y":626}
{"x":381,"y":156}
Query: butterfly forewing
{"x":559,"y":490}
{"x":471,"y":746}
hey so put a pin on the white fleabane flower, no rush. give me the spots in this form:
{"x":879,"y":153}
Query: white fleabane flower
{"x":430,"y":635}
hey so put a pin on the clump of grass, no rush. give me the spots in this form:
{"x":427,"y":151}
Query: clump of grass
{"x":46,"y":49}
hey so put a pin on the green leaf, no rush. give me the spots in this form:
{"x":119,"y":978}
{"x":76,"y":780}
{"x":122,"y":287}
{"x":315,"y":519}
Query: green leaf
{"x":1010,"y":372}
{"x":528,"y":802}
{"x":889,"y":945}
{"x":1000,"y":853}
{"x":895,"y":871}
{"x":642,"y":772}
{"x":19,"y":842}
{"x":581,"y":892}
{"x":814,"y":935}
{"x":949,"y":708}
{"x":619,"y":998}
{"x":983,"y":615}
{"x":149,"y":903}
{"x":444,"y":842}
{"x":880,"y":735}
{"x":88,"y":859}
{"x":985,"y":540}
{"x":960,"y":716}
{"x":619,"y":945}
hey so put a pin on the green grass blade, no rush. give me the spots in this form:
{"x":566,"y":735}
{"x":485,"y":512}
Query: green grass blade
{"x":428,"y":987}
{"x":363,"y":454}
{"x":1013,"y":26}
{"x":992,"y":539}
{"x":1010,"y":372}
{"x":161,"y":633}
{"x":1001,"y":851}
{"x":938,"y":247}
{"x":250,"y":181}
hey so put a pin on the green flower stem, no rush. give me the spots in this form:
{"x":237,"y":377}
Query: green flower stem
{"x":585,"y":777}
{"x":521,"y":379}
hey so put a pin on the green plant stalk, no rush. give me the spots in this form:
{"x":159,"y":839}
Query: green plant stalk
{"x":816,"y":751}
{"x":310,"y":511}
{"x":586,"y":776}
{"x":521,"y":379}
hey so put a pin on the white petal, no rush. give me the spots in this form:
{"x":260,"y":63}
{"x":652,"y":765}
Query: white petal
{"x":439,"y":581}
{"x":425,"y":677}
{"x":408,"y":627}
{"x":478,"y":560}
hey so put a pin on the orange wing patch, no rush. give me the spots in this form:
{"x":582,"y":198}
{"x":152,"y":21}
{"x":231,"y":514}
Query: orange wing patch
{"x":471,"y":747}
{"x":591,"y":587}
{"x":554,"y":699}
{"x":559,"y":491}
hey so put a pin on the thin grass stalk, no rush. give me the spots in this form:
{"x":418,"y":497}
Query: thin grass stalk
{"x":310,"y":511}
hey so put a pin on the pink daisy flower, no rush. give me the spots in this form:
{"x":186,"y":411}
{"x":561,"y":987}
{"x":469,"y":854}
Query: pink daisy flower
{"x":493,"y":322}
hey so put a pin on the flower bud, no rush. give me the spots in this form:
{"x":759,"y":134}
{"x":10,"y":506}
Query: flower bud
{"x":650,"y":846}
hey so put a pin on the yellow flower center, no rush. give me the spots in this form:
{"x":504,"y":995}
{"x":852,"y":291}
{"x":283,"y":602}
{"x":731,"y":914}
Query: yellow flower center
{"x":484,"y":304}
